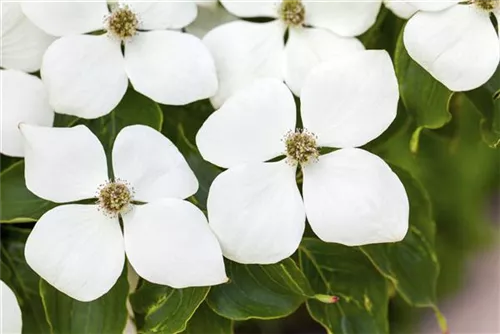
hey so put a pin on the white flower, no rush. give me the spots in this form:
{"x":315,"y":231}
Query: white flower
{"x":80,"y":248}
{"x":23,"y":43}
{"x":11,"y":320}
{"x":350,"y":196}
{"x":24,"y":99}
{"x":318,"y":31}
{"x":87,"y":75}
{"x":400,"y":8}
{"x":455,"y":42}
{"x":210,"y":15}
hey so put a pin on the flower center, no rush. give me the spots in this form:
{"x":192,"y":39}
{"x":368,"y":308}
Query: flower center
{"x":487,"y":5}
{"x":292,"y":12}
{"x":114,"y":197}
{"x":122,"y":23}
{"x":301,"y":147}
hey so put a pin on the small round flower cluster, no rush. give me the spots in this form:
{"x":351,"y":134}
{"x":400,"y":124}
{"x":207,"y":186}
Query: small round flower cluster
{"x":301,"y":147}
{"x":122,"y":23}
{"x":114,"y":197}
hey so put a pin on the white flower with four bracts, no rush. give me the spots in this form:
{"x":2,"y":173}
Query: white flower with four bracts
{"x":23,"y":43}
{"x":317,"y":31}
{"x":350,"y":196}
{"x":24,"y":99}
{"x":11,"y":321}
{"x":455,"y":41}
{"x":87,"y":75}
{"x":80,"y":248}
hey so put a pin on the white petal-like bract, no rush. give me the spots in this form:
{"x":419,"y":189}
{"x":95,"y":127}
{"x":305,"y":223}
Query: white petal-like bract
{"x":78,"y":250}
{"x":250,"y":126}
{"x":308,"y":47}
{"x":352,"y":197}
{"x":169,"y":242}
{"x":257,"y":212}
{"x":24,"y":99}
{"x":23,"y":43}
{"x":243,"y":52}
{"x":402,"y":9}
{"x":66,"y":18}
{"x":253,"y":8}
{"x":434,"y":5}
{"x":11,"y":319}
{"x":345,"y":18}
{"x":170,"y":67}
{"x":63,"y":164}
{"x":84,"y":75}
{"x":152,"y":165}
{"x":161,"y":15}
{"x":458,"y":46}
{"x":351,"y":100}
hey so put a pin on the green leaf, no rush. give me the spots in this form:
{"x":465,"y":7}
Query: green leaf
{"x":107,"y":314}
{"x":384,"y":33}
{"x":412,"y":264}
{"x":163,"y":309}
{"x":17,"y":203}
{"x":21,"y":279}
{"x":425,"y":98}
{"x":207,"y":321}
{"x":345,"y":272}
{"x":260,"y":291}
{"x":487,"y":101}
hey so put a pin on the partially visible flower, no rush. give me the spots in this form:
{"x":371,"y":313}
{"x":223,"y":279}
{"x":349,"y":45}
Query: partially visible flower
{"x":211,"y":14}
{"x":350,"y":196}
{"x":456,"y":42}
{"x":10,"y":312}
{"x":24,"y":99}
{"x":317,"y":31}
{"x":87,"y":75}
{"x":400,"y":8}
{"x":80,"y":248}
{"x":23,"y":43}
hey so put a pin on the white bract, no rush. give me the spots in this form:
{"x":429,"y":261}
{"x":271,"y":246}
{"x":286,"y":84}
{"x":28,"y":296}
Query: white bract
{"x":350,"y":196}
{"x":24,"y":99}
{"x":10,"y":312}
{"x":317,"y":31}
{"x":87,"y":75}
{"x":455,"y":42}
{"x":80,"y":248}
{"x":23,"y":43}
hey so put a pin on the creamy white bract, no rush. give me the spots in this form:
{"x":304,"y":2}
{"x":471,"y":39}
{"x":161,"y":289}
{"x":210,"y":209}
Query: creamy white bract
{"x":11,"y":322}
{"x":455,"y":41}
{"x":317,"y":31}
{"x":24,"y":99}
{"x":80,"y":248}
{"x":87,"y":75}
{"x":350,"y":196}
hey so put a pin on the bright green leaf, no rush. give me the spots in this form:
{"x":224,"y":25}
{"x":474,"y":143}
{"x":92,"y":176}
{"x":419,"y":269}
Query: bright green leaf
{"x":107,"y":314}
{"x":425,"y":98}
{"x":260,"y":291}
{"x":22,"y":280}
{"x":17,"y":203}
{"x":163,"y":309}
{"x":487,"y":101}
{"x":207,"y":321}
{"x":347,"y":273}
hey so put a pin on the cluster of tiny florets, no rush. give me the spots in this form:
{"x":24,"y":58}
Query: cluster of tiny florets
{"x":301,"y":147}
{"x":114,"y":197}
{"x":292,"y":12}
{"x":122,"y":23}
{"x":487,"y":5}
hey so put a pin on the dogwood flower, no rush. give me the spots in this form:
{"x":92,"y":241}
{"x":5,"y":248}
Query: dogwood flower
{"x":454,"y":41}
{"x":317,"y":31}
{"x":80,"y":248}
{"x":87,"y":75}
{"x":350,"y":196}
{"x":24,"y":99}
{"x":10,"y":313}
{"x":23,"y":43}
